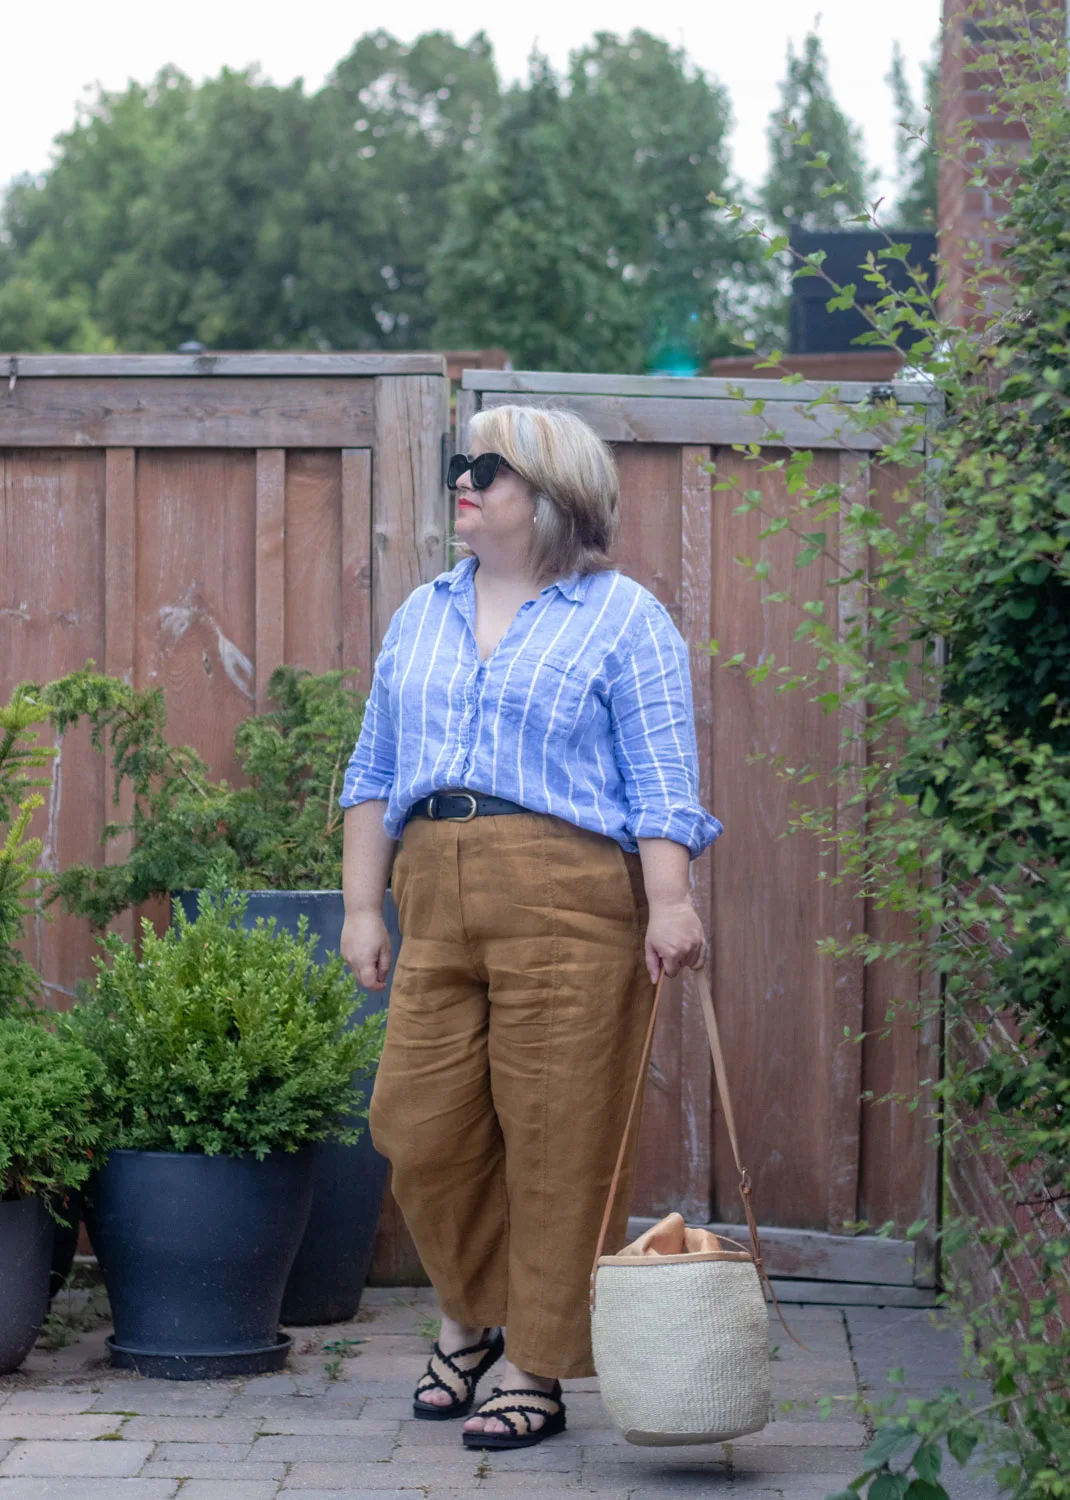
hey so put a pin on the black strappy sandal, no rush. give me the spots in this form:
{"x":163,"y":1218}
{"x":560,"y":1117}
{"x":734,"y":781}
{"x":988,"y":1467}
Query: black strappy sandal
{"x":505,"y":1406}
{"x":444,"y":1372}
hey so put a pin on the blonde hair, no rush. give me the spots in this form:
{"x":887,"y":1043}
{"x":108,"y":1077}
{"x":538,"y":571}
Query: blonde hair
{"x":574,"y":476}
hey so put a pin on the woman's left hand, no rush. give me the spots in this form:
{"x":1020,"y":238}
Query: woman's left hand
{"x":674,"y":939}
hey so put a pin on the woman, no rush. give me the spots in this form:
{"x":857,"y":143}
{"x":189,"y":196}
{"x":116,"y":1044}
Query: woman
{"x":529,"y":740}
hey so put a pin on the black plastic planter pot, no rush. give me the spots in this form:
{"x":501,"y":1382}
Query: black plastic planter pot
{"x":195,"y":1252}
{"x":25,"y":1261}
{"x":327,"y":1279}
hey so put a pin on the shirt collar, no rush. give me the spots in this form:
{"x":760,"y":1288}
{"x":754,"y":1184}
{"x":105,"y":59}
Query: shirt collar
{"x":573,"y":586}
{"x":457,"y":578}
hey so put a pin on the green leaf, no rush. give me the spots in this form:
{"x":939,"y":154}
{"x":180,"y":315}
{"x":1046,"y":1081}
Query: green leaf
{"x":844,"y":299}
{"x":761,"y":672}
{"x":926,"y":1462}
{"x":922,"y":1489}
{"x":888,"y":1441}
{"x":887,"y":1487}
{"x":961,"y":1444}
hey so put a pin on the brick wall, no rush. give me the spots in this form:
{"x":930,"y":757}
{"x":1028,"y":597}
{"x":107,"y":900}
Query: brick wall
{"x":969,"y":240}
{"x":981,"y":1187}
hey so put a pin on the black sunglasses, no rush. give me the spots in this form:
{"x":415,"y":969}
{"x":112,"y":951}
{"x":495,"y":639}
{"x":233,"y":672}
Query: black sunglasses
{"x":484,"y":469}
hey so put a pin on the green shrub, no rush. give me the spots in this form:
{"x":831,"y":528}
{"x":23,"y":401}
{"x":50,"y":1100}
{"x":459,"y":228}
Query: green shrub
{"x":48,"y":1130}
{"x":20,"y":880}
{"x":224,"y":1039}
{"x":282,"y":830}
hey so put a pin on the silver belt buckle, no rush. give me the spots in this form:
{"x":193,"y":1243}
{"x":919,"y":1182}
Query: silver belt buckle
{"x":436,"y":817}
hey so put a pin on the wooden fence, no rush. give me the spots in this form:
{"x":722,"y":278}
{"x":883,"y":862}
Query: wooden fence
{"x":192,"y":522}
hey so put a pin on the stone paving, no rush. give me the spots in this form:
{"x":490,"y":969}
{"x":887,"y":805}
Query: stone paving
{"x":339,"y":1426}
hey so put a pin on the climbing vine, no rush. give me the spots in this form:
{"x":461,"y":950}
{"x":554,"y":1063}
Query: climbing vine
{"x":952,"y":665}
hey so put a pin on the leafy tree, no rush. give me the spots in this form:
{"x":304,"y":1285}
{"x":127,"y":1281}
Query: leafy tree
{"x":519,"y":263}
{"x":582,"y":237}
{"x":793,"y":192}
{"x":68,"y":226}
{"x":399,"y":122}
{"x":32,"y":317}
{"x":915,"y":142}
{"x":246,"y":215}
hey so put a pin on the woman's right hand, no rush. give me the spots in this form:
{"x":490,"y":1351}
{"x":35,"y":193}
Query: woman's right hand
{"x":365,"y":946}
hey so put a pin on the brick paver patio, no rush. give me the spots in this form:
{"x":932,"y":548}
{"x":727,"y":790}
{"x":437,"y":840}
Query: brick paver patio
{"x":338,"y":1426}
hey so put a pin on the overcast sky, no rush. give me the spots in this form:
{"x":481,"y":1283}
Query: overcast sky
{"x":51,"y":52}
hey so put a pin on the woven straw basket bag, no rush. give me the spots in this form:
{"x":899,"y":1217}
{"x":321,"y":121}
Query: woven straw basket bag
{"x":678,"y":1319}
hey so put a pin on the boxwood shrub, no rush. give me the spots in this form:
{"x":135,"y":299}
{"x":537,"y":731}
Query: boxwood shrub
{"x":223,"y":1039}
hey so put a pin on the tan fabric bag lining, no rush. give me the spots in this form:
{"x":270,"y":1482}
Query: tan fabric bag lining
{"x":673,"y":1242}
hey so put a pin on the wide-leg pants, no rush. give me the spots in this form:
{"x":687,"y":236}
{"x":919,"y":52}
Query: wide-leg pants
{"x":516,"y":1021}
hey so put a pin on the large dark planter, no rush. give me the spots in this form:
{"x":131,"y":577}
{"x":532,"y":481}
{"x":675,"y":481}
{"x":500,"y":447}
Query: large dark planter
{"x":327,"y":1280}
{"x":25,"y":1258}
{"x":195,"y":1252}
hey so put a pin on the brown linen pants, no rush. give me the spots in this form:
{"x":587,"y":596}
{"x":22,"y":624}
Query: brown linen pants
{"x":515,"y":1030}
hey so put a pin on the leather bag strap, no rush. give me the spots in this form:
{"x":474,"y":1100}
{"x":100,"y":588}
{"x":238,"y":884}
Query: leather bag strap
{"x":637,"y":1092}
{"x":721,"y":1075}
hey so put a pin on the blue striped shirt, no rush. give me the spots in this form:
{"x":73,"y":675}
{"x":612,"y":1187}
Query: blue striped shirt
{"x":583,"y":710}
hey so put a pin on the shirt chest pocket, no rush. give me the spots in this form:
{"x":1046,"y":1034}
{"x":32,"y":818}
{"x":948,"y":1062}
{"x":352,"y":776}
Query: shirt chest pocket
{"x":552,"y":696}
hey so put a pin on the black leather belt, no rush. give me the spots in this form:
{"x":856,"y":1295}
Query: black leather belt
{"x":462,"y":807}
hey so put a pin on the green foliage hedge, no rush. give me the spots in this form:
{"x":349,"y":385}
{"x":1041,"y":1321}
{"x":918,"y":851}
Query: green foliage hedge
{"x":49,"y":1132}
{"x":21,"y":759}
{"x":223,"y":1039}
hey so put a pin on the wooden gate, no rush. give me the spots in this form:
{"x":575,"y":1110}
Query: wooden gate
{"x":820,"y":1159}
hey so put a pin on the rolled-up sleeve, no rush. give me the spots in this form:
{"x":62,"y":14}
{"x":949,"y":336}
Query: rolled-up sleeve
{"x":373,"y":765}
{"x":654,"y":737}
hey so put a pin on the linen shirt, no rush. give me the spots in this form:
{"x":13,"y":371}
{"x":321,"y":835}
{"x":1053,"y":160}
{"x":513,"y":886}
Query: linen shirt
{"x":583,"y":710}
